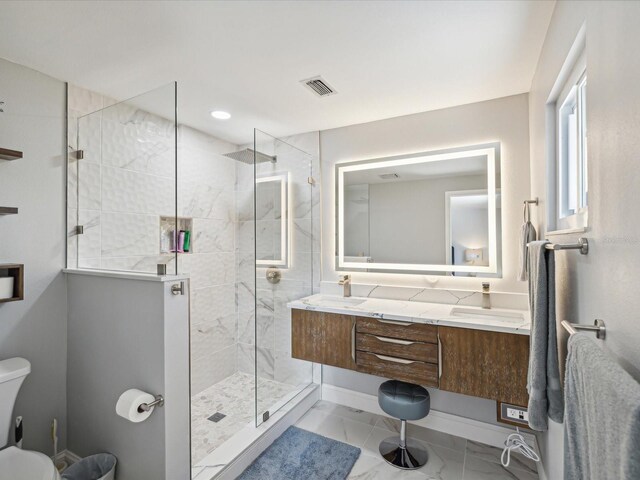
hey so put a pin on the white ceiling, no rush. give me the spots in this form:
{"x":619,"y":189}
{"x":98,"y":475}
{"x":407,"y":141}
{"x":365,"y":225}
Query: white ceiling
{"x":385,"y":58}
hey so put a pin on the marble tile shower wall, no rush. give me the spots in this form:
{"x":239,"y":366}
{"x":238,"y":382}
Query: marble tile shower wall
{"x":127,"y":182}
{"x":126,"y":185}
{"x":273,"y":327}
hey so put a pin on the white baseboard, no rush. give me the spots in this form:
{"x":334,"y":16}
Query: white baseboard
{"x":487,"y":433}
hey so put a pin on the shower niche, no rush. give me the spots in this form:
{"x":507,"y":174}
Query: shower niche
{"x":176,"y":239}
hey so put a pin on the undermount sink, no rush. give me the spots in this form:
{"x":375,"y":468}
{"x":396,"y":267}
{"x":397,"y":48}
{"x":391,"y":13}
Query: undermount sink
{"x":489,"y":314}
{"x":335,"y":301}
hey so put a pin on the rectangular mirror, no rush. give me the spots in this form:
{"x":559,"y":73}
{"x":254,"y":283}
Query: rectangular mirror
{"x":435,"y":212}
{"x":273,"y":229}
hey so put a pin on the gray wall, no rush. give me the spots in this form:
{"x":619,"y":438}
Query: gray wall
{"x":126,"y":333}
{"x":605,"y":283}
{"x":36,"y":328}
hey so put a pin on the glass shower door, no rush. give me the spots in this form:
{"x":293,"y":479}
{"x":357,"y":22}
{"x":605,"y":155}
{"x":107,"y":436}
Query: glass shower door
{"x":125,"y":172}
{"x":283,"y":267}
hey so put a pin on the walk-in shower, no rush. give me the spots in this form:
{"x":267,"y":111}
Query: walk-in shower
{"x":140,"y":182}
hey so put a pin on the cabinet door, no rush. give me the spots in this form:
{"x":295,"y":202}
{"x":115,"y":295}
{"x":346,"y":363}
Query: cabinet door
{"x":307,"y":335}
{"x":485,"y":364}
{"x":339,"y":340}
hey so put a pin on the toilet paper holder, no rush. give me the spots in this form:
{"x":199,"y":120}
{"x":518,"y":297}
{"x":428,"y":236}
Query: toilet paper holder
{"x":145,"y":407}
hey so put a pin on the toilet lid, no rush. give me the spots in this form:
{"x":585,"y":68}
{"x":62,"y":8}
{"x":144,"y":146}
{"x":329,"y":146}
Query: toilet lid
{"x":17,"y":464}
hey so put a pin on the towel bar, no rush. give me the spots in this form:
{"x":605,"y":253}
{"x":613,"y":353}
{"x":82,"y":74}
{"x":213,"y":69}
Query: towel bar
{"x":582,"y":245}
{"x":598,"y":327}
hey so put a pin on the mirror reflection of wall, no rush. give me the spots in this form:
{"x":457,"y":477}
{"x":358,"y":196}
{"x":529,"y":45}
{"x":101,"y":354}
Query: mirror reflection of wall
{"x":421,"y":212}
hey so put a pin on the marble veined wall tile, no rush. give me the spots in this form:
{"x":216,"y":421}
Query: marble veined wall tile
{"x":139,"y":263}
{"x":198,"y":200}
{"x":90,"y":242}
{"x":82,"y":100}
{"x":125,"y":234}
{"x":211,"y":303}
{"x":89,"y":193}
{"x":135,"y":192}
{"x":137,"y":140}
{"x":208,"y":269}
{"x":72,"y":238}
{"x":212,"y":368}
{"x":90,"y":139}
{"x":213,"y":235}
{"x":247,"y":360}
{"x":213,"y":335}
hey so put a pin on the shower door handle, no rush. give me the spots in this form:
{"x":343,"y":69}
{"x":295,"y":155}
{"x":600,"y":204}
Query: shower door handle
{"x":177,"y":288}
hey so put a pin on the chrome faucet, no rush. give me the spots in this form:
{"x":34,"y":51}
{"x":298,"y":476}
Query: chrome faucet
{"x":345,"y":281}
{"x":486,"y":295}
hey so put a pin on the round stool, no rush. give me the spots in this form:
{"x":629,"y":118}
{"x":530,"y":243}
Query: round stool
{"x":404,"y":401}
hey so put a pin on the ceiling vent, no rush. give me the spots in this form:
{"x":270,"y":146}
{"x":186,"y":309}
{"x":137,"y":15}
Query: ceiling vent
{"x":389,"y":176}
{"x":319,"y":86}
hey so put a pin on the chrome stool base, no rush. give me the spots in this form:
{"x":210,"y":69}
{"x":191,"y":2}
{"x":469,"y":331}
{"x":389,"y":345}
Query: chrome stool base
{"x":410,"y":457}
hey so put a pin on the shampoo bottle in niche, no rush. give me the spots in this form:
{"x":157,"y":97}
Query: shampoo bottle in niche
{"x":181,"y":241}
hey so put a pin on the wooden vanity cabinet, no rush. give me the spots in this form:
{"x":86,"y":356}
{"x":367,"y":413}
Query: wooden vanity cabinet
{"x":479,"y":363}
{"x":485,"y":364}
{"x":327,"y":338}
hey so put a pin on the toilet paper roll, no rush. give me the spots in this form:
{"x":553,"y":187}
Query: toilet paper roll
{"x":128,"y":403}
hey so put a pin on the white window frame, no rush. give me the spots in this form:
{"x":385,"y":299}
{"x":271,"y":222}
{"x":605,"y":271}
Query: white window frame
{"x":571,"y":192}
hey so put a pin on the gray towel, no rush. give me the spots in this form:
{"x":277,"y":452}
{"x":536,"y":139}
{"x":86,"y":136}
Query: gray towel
{"x":543,"y":379}
{"x":527,"y":235}
{"x":602,"y":425}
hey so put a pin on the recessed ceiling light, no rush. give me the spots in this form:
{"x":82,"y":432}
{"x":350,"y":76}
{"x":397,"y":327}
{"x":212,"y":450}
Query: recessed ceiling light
{"x":221,"y":115}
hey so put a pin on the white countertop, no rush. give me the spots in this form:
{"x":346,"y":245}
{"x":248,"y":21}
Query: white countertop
{"x":495,"y":320}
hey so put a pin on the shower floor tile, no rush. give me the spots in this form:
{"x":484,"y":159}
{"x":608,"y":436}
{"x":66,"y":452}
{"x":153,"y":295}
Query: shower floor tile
{"x":233,"y":397}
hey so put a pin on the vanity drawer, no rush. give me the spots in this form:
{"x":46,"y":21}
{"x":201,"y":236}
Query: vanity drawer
{"x":395,"y":368}
{"x":409,"y":349}
{"x":418,"y":332}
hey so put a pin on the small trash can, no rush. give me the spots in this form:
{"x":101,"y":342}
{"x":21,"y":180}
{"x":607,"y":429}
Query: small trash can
{"x":101,"y":466}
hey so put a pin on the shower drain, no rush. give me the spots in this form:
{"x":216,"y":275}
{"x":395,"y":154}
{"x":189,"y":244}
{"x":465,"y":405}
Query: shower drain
{"x":216,"y":417}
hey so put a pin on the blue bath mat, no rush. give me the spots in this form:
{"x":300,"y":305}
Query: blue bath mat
{"x":298,"y":454}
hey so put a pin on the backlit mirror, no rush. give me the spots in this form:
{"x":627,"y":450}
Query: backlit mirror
{"x":435,"y":212}
{"x":273,"y":230}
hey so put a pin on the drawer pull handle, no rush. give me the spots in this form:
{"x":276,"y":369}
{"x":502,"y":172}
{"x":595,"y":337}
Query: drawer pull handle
{"x":395,"y":322}
{"x":394,"y":340}
{"x":394,"y":359}
{"x":353,"y":340}
{"x":439,"y":357}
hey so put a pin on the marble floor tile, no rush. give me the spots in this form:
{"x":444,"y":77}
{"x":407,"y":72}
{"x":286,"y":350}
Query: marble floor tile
{"x":347,"y":412}
{"x":234,"y":397}
{"x":368,"y":467}
{"x":478,"y":469}
{"x":450,"y":457}
{"x":335,"y":427}
{"x":433,"y":437}
{"x":443,"y":463}
{"x":493,"y":454}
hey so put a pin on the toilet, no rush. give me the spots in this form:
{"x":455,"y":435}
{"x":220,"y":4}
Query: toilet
{"x":15,"y":463}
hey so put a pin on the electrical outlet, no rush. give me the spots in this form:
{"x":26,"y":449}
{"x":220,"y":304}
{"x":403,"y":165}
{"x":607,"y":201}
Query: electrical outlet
{"x":517,"y":414}
{"x":513,"y":414}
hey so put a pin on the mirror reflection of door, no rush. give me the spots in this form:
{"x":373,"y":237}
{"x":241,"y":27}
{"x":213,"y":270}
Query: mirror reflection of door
{"x":467,"y":229}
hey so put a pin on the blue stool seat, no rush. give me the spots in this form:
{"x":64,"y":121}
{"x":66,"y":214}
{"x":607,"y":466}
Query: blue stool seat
{"x":404,"y":401}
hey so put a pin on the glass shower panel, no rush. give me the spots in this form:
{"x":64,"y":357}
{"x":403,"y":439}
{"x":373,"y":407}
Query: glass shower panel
{"x":126,"y":188}
{"x":283,"y":267}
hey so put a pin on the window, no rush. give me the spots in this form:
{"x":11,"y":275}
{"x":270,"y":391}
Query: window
{"x":571,"y":142}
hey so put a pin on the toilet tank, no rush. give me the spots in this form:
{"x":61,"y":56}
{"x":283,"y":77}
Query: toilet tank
{"x":13,"y":371}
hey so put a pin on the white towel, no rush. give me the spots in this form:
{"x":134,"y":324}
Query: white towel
{"x":527,"y":235}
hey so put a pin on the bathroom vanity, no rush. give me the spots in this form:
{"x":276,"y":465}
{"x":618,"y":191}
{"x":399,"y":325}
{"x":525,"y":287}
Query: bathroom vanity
{"x":467,"y":350}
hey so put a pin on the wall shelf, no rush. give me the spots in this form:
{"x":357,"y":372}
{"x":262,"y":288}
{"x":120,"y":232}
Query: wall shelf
{"x":7,"y":154}
{"x":8,"y":210}
{"x":16,"y":271}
